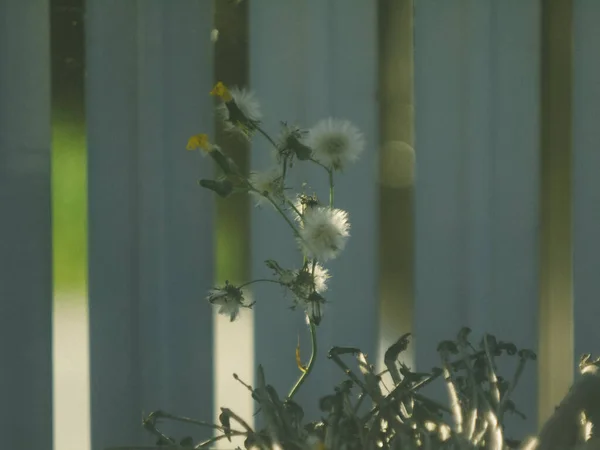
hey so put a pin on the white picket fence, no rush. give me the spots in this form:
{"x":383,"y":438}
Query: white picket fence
{"x":149,"y":69}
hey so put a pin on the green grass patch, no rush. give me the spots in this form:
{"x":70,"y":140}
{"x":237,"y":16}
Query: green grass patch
{"x":69,"y":205}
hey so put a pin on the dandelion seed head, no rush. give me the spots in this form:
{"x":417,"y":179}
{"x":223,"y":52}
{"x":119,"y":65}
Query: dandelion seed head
{"x":239,"y":114}
{"x":335,"y":143}
{"x":304,"y":278}
{"x":324,"y":232}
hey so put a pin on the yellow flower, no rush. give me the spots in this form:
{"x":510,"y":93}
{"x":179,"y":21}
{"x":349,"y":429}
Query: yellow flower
{"x":220,"y":90}
{"x":199,"y":141}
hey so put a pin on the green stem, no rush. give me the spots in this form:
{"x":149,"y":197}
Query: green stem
{"x":165,"y":415}
{"x":511,"y":388}
{"x":330,"y":171}
{"x":266,"y":280}
{"x":214,"y":439}
{"x":284,"y":169}
{"x":312,"y":326}
{"x":311,"y":362}
{"x":277,"y":207}
{"x":319,"y":164}
{"x":291,"y":203}
{"x":313,"y":341}
{"x":495,"y":391}
{"x":284,"y":215}
{"x":266,"y":135}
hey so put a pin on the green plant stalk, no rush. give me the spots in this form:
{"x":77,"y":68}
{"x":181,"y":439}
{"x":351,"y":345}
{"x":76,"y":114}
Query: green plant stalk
{"x":238,"y":419}
{"x":457,"y":413}
{"x":277,"y":207}
{"x":319,"y":164}
{"x":289,"y":202}
{"x":284,"y":170}
{"x":312,"y":326}
{"x":480,"y":434}
{"x":266,"y":135}
{"x":494,"y":428}
{"x":214,"y":439}
{"x":151,"y":427}
{"x":495,"y":391}
{"x":511,"y":388}
{"x":330,"y":172}
{"x":472,"y":418}
{"x":334,"y":356}
{"x":175,"y":418}
{"x":287,"y":219}
{"x":261,"y":280}
{"x":311,"y":362}
{"x":313,"y":342}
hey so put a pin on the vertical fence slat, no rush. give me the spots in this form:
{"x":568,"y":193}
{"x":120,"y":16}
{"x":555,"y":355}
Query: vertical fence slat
{"x":112,"y":141}
{"x":514,"y":311}
{"x":476,"y":100}
{"x":586,"y":183}
{"x":555,"y":356}
{"x":354,"y":310}
{"x":438,"y":145}
{"x":440,"y":257}
{"x":396,"y":172}
{"x":189,"y":210}
{"x":304,"y":68}
{"x":151,"y":256}
{"x":25,"y":226}
{"x":234,"y":341}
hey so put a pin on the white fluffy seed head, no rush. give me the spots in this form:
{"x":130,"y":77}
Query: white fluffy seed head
{"x":247,"y":102}
{"x":321,"y":275}
{"x":335,"y":143}
{"x":324,"y":232}
{"x":248,"y":105}
{"x":303,"y":280}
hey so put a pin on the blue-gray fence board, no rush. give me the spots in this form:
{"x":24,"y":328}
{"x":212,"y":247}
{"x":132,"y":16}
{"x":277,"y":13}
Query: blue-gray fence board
{"x":586,"y":183}
{"x":149,"y":67}
{"x":25,"y":226}
{"x":477,"y":175}
{"x":515,"y":177}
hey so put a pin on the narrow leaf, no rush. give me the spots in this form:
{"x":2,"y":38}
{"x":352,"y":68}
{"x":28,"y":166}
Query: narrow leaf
{"x":222,"y":187}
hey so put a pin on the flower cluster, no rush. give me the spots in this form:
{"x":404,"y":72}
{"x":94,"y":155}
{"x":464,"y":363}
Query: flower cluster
{"x":320,"y":230}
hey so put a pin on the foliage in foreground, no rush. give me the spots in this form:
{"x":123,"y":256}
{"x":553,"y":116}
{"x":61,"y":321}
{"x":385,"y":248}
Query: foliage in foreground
{"x":404,"y":418}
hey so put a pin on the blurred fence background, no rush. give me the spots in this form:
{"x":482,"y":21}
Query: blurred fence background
{"x":491,"y":221}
